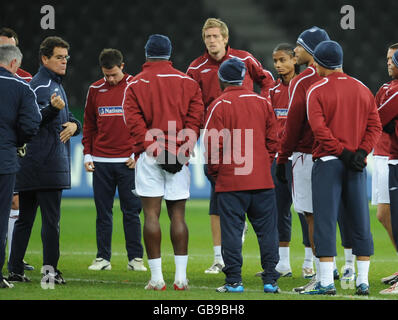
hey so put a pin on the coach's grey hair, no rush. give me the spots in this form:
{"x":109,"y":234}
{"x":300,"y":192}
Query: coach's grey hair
{"x":8,"y":53}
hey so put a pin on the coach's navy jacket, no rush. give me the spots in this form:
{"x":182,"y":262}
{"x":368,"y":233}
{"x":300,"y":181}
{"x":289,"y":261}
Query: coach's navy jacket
{"x":47,"y":162}
{"x":19,"y":119}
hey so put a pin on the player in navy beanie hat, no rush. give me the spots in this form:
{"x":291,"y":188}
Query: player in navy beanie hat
{"x":395,"y":58}
{"x":329,"y":55}
{"x":310,"y":38}
{"x":158,"y":47}
{"x":232,"y":71}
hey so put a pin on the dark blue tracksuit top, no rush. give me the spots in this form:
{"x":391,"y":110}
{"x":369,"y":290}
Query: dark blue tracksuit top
{"x":19,"y":120}
{"x":47,"y":162}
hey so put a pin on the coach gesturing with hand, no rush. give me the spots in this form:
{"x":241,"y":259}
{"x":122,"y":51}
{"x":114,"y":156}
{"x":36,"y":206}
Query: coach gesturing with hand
{"x":45,"y":170}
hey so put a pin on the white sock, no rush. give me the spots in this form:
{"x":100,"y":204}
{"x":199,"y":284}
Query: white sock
{"x":363,"y":272}
{"x":326,"y":273}
{"x":14,"y":213}
{"x":317,"y":269}
{"x":284,"y":259}
{"x":217,"y":254}
{"x":308,"y":258}
{"x":334,"y":263}
{"x":11,"y":222}
{"x":181,"y":263}
{"x":156,"y":269}
{"x":349,"y":258}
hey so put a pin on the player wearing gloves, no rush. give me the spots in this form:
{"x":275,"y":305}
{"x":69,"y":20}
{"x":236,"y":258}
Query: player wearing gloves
{"x":163,"y":111}
{"x":297,"y":138}
{"x":343,"y":117}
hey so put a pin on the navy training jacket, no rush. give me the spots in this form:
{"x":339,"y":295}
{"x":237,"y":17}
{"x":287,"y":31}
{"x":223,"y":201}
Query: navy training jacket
{"x":19,"y":120}
{"x":47,"y":162}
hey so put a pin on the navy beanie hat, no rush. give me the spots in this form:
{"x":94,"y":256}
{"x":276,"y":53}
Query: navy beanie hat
{"x":158,"y":47}
{"x":232,"y":71}
{"x":395,"y":58}
{"x":329,"y":55}
{"x":310,"y":38}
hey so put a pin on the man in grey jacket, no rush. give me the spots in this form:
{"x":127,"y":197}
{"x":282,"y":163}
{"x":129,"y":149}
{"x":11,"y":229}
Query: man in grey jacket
{"x":19,"y":122}
{"x":45,"y":170}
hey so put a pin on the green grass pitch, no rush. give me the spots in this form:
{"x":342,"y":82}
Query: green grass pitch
{"x":78,"y":249}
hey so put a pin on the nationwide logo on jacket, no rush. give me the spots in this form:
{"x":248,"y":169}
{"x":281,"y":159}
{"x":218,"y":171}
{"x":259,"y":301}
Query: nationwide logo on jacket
{"x":110,"y":111}
{"x":281,"y":113}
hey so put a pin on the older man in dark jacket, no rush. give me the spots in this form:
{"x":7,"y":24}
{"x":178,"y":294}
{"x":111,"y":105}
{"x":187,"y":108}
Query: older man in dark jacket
{"x":45,"y":171}
{"x":19,"y":122}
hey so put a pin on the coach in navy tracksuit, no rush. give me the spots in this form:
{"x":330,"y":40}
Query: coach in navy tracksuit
{"x":19,"y":122}
{"x":243,"y":183}
{"x":45,"y":170}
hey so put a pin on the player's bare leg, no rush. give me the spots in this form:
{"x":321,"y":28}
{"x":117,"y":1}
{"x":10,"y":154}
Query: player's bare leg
{"x":384,"y":216}
{"x":152,"y":232}
{"x":179,"y":237}
{"x":15,"y":202}
{"x":178,"y":226}
{"x":152,"y":239}
{"x":215,"y":229}
{"x":309,"y":217}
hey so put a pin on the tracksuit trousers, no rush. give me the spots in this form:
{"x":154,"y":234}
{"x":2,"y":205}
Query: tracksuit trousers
{"x":283,"y":193}
{"x":7,"y":182}
{"x":260,"y":206}
{"x":49,"y":202}
{"x":106,"y":177}
{"x":393,"y":187}
{"x":333,"y":184}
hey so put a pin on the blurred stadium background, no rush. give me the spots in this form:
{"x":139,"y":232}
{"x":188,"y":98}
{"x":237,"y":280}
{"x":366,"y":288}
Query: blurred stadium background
{"x":255,"y":25}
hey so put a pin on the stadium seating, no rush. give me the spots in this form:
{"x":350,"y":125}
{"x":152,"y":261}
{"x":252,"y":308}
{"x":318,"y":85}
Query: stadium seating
{"x":91,"y":25}
{"x":364,"y":48}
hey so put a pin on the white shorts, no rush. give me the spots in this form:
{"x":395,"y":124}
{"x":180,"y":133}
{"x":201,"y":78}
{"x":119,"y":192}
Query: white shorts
{"x":301,"y":184}
{"x":380,"y":191}
{"x":153,"y":181}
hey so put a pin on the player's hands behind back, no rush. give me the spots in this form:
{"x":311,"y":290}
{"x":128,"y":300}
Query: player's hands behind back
{"x":168,"y":162}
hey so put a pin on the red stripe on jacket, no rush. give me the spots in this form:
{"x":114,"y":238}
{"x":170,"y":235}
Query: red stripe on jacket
{"x":24,"y":75}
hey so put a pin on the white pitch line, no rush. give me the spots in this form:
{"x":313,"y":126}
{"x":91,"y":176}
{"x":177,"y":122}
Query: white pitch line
{"x":337,"y":296}
{"x":249,"y":256}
